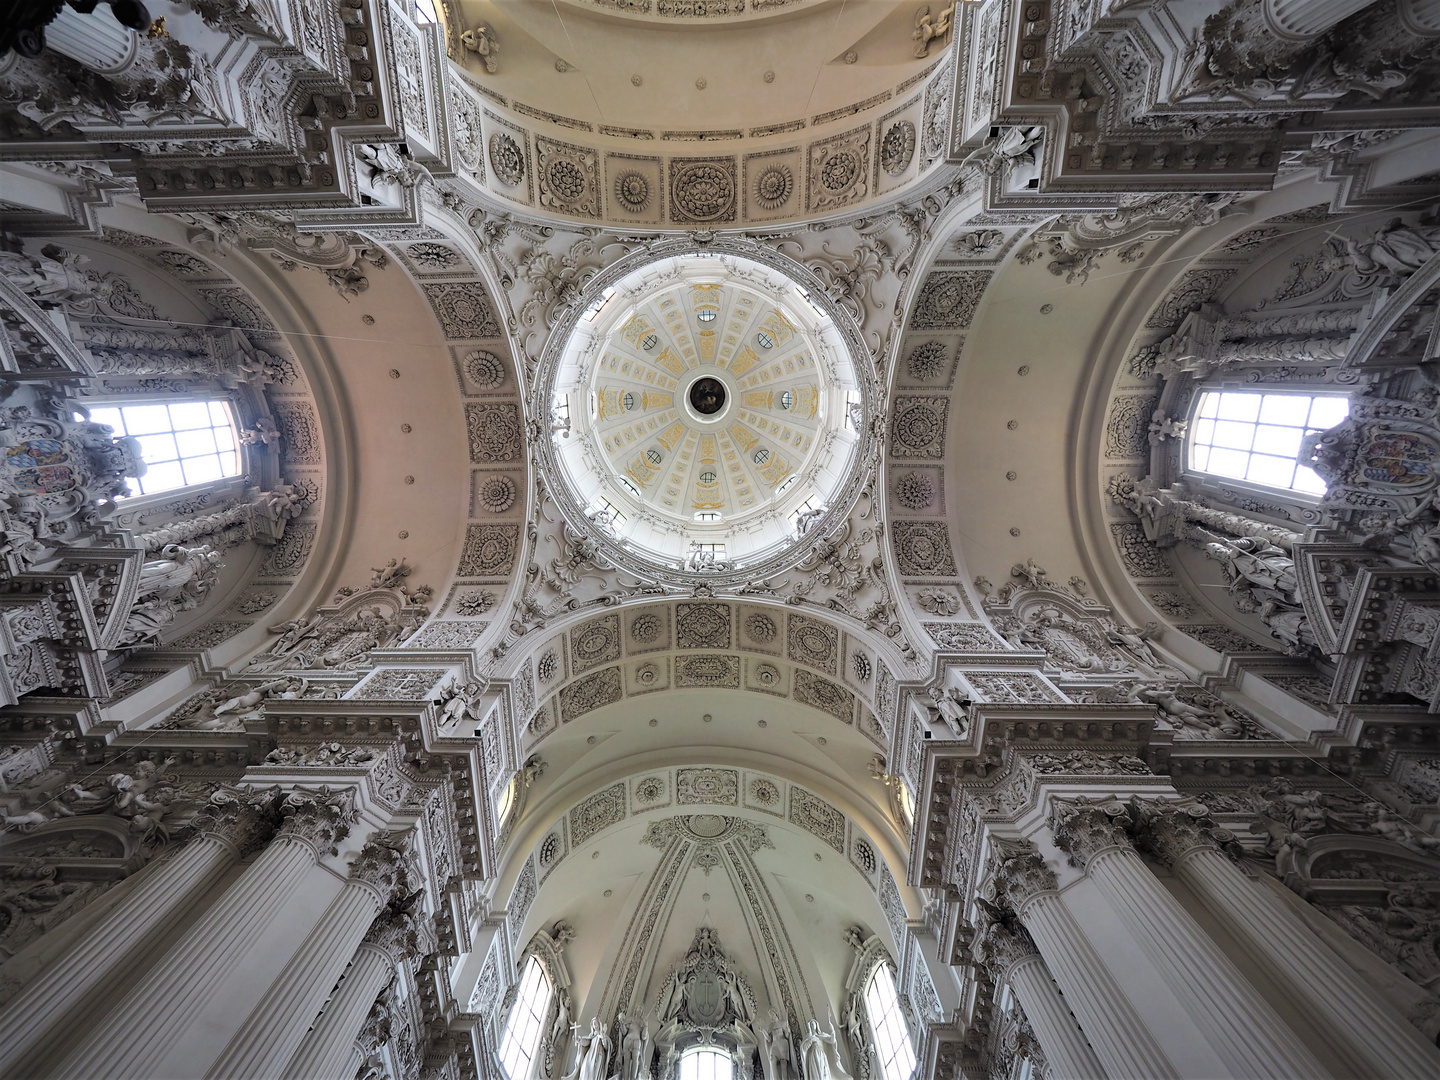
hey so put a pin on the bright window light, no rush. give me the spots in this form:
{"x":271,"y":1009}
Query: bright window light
{"x":189,"y":442}
{"x":892,"y":1041}
{"x":425,"y":11}
{"x":522,"y":1028}
{"x":704,"y":1063}
{"x":1256,"y":437}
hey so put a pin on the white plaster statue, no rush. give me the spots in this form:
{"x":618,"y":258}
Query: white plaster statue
{"x":815,"y":1052}
{"x":177,"y":568}
{"x":459,"y":701}
{"x":774,"y":1039}
{"x":594,"y":1052}
{"x":482,"y":42}
{"x":634,"y":1048}
{"x":806,"y":519}
{"x":927,"y":29}
{"x":1394,"y":252}
{"x":951,"y":704}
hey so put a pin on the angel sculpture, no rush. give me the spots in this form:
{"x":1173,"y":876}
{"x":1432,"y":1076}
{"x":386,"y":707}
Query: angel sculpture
{"x":928,"y":29}
{"x":482,"y":42}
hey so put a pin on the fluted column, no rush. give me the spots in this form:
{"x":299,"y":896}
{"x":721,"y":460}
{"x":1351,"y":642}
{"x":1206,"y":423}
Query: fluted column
{"x":1115,"y":1031}
{"x":1246,"y":1033}
{"x":228,"y":828}
{"x":275,"y":1030}
{"x":328,"y":1049}
{"x":1304,"y":20}
{"x":1013,"y":958}
{"x":1373,"y":1040}
{"x":138,"y":1035}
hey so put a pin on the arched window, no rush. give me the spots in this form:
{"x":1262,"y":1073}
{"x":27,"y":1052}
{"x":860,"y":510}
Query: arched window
{"x":1255,"y":436}
{"x":182,"y":443}
{"x":705,"y":1063}
{"x":887,"y":1025}
{"x":523,"y":1027}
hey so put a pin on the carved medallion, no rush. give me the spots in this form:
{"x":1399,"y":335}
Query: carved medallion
{"x":632,"y":191}
{"x":484,"y":369}
{"x":897,"y":147}
{"x":507,"y":161}
{"x":703,"y":190}
{"x":773,"y":187}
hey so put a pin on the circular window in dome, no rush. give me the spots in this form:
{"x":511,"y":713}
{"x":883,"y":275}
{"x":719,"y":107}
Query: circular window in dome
{"x":707,"y":396}
{"x":706,"y":477}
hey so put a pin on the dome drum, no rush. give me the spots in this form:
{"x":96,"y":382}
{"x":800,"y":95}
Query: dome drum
{"x":717,"y":404}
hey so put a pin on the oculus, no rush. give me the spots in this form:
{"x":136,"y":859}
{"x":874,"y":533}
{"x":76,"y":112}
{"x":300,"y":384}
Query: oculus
{"x":707,"y":397}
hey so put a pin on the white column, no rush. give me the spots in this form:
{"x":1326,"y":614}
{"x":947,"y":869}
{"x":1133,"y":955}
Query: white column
{"x":68,"y":988}
{"x":136,"y":1037}
{"x":96,"y":41}
{"x":1245,"y":1032}
{"x":1302,"y":20}
{"x":1374,"y":1041}
{"x":1014,"y":959}
{"x":328,"y":1051}
{"x":1421,"y":17}
{"x":1114,"y":1030}
{"x":275,"y":1030}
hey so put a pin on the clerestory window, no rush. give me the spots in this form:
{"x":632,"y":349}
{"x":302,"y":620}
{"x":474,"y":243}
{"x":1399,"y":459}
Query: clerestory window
{"x":1255,"y":436}
{"x":521,"y":1039}
{"x":887,"y":1025}
{"x":705,"y":1063}
{"x":182,"y":443}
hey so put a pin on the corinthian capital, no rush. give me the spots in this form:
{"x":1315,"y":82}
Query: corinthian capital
{"x":322,"y":818}
{"x":394,"y":933}
{"x":1083,"y":829}
{"x":1021,"y":873}
{"x":383,"y":864}
{"x":1171,"y":832}
{"x":243,"y":819}
{"x":1002,"y":947}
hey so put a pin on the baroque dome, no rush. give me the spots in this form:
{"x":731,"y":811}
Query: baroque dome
{"x":705,"y":409}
